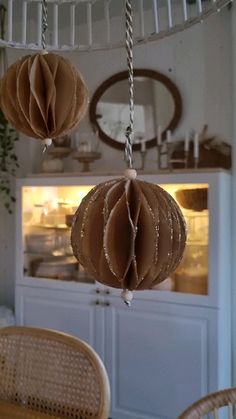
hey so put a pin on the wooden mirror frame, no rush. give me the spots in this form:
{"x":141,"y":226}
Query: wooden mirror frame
{"x":124,"y":76}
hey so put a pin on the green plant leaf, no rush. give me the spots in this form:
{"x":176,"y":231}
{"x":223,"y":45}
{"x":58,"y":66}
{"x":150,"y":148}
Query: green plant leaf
{"x":8,"y":161}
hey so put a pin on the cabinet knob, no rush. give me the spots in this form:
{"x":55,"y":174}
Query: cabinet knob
{"x":97,"y":291}
{"x":107,"y":292}
{"x":107,"y":304}
{"x":97,"y":302}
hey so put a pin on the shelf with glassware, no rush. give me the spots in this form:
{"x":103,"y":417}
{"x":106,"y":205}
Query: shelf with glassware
{"x":46,"y":214}
{"x":46,"y":232}
{"x":47,"y":219}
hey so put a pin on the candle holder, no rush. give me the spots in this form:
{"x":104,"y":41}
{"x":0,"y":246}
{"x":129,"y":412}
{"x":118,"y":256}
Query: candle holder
{"x":195,"y":162}
{"x":59,"y":152}
{"x":166,"y":150}
{"x":186,"y":157}
{"x":181,"y":161}
{"x":162,"y":151}
{"x":86,"y":157}
{"x":143,"y":154}
{"x":55,"y":162}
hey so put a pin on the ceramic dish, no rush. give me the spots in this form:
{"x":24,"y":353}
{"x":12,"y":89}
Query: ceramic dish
{"x":64,"y":269}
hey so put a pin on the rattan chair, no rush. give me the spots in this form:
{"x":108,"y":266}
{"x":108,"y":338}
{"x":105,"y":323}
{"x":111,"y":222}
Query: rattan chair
{"x":212,"y":404}
{"x":47,"y":374}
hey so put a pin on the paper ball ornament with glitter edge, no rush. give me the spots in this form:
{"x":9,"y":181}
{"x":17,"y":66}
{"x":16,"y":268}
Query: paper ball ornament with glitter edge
{"x":128,"y":233}
{"x":43,"y":96}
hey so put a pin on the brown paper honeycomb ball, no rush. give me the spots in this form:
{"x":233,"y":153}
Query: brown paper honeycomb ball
{"x":128,"y":234}
{"x":43,"y":96}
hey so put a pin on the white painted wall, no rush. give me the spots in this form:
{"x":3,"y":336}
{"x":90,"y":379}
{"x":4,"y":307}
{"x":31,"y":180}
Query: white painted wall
{"x":197,"y":60}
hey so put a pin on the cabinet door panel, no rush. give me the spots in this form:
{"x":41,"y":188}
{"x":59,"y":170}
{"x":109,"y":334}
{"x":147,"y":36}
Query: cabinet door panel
{"x":68,"y":312}
{"x":157,"y":362}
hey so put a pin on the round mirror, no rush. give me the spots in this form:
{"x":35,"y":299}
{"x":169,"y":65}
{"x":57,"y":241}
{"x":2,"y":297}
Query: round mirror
{"x":157,"y":103}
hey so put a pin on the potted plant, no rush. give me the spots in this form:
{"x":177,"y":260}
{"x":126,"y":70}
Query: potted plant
{"x":8,"y":161}
{"x":8,"y":136}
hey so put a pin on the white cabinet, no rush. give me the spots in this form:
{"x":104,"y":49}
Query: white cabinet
{"x":69,"y":312}
{"x":170,"y":347}
{"x":158,"y":356}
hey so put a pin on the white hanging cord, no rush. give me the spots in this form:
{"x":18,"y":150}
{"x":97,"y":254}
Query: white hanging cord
{"x":129,"y":52}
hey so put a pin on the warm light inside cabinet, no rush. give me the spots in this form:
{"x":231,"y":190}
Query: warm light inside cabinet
{"x":51,"y":197}
{"x":47,"y":216}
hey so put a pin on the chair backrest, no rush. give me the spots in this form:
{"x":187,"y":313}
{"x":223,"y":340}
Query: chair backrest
{"x":212,"y":403}
{"x":53,"y":373}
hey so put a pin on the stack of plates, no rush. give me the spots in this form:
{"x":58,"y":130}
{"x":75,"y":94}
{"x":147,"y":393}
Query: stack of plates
{"x":64,"y":269}
{"x":40,"y":243}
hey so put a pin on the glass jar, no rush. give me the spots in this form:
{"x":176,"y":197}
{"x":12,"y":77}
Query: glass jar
{"x":192,"y":274}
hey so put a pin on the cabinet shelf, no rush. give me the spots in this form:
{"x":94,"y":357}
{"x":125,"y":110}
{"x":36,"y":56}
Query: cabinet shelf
{"x":48,"y":254}
{"x":47,"y":226}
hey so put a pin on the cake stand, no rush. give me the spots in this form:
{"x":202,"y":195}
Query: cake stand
{"x":86,"y":157}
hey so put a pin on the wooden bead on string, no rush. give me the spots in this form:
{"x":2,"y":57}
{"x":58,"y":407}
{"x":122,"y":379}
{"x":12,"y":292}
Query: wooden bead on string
{"x":130,"y":174}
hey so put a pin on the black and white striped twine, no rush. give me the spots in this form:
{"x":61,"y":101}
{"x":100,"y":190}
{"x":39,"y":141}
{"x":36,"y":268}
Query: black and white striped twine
{"x":44,"y":23}
{"x":129,"y":52}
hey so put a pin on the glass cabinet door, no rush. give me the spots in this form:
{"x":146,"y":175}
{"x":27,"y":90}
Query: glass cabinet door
{"x":191,"y":276}
{"x":47,"y":218}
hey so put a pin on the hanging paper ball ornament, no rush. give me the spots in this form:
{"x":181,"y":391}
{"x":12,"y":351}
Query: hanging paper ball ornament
{"x":43,"y":96}
{"x":128,"y":234}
